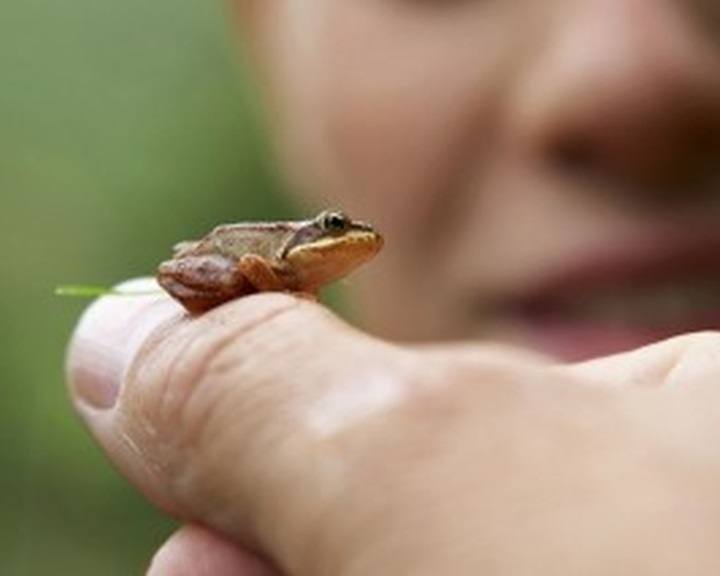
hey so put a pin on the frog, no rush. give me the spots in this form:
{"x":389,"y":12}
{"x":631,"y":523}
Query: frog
{"x":240,"y":259}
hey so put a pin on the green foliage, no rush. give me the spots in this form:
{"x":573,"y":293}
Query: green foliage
{"x":124,"y":127}
{"x":74,"y":290}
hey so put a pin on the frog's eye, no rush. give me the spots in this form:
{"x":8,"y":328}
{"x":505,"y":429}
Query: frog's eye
{"x":335,"y":222}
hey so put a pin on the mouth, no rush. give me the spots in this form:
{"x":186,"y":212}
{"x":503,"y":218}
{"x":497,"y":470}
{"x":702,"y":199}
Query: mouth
{"x":610,"y":303}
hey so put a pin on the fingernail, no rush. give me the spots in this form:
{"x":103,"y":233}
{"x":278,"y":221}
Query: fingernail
{"x":109,"y":335}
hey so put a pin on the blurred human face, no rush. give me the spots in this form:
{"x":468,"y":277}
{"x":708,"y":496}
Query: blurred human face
{"x":546,"y":173}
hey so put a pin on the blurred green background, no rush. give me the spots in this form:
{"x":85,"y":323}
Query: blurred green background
{"x":124,"y":127}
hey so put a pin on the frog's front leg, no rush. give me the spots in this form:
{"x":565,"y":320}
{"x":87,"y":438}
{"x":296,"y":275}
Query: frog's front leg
{"x":204,"y":281}
{"x":260,"y":273}
{"x":267,"y":278}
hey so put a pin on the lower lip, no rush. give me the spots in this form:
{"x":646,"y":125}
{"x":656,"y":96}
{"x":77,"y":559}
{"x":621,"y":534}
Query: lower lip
{"x":574,"y":341}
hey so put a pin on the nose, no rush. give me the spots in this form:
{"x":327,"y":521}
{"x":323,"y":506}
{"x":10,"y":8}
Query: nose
{"x":626,"y":91}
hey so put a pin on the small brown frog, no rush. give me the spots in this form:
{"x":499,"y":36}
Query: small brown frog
{"x":235,"y":260}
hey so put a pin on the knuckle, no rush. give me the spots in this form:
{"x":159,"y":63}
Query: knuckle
{"x":694,"y":358}
{"x":189,"y":388}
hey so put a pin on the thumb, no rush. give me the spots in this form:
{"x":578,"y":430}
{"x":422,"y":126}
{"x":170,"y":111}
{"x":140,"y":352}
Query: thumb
{"x":217,"y":419}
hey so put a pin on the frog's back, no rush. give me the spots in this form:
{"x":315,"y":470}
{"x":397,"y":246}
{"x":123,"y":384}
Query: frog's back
{"x":233,"y":240}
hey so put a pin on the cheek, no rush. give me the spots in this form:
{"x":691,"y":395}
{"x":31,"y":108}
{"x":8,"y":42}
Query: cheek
{"x":391,"y":100}
{"x":387,"y":108}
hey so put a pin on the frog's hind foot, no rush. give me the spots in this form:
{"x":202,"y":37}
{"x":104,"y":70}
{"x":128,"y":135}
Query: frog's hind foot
{"x":193,"y":300}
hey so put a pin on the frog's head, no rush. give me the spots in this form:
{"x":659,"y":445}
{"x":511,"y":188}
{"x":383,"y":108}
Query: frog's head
{"x":328,"y":247}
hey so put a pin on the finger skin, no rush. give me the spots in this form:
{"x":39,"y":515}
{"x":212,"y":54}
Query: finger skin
{"x":686,"y":361}
{"x":196,"y":551}
{"x":280,"y":427}
{"x":227,"y":406}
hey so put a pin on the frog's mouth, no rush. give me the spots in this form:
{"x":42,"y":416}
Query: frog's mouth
{"x":312,"y":234}
{"x":332,"y":257}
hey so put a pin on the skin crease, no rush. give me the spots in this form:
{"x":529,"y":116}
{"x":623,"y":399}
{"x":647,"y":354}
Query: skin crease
{"x":494,"y":144}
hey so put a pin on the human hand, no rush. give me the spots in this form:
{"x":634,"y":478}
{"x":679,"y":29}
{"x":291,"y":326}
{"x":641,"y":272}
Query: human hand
{"x":278,"y":432}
